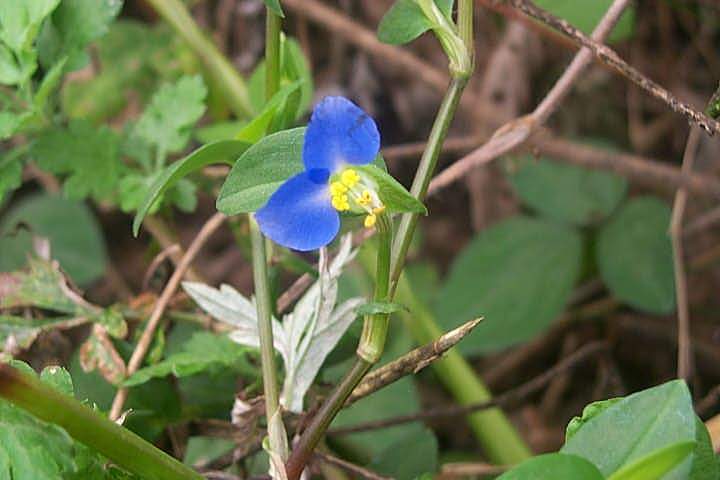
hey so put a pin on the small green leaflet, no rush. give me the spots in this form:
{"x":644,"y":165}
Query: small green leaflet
{"x":374,"y":308}
{"x":173,"y":111}
{"x":223,"y":151}
{"x":405,"y":21}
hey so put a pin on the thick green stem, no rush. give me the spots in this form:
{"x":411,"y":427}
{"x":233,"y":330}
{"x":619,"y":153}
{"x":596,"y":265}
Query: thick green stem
{"x":217,"y":66}
{"x":498,"y":437}
{"x":423,"y":175}
{"x":264,"y":317}
{"x":272,"y":54}
{"x":91,"y":428}
{"x":372,"y":343}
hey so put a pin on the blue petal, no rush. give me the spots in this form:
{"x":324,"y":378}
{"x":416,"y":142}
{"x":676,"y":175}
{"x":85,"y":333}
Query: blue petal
{"x":339,"y":133}
{"x":299,"y":214}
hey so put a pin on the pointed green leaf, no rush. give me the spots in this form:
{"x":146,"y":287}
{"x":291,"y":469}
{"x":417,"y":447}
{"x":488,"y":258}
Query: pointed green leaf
{"x":405,"y":21}
{"x":555,"y":466}
{"x":655,"y":464}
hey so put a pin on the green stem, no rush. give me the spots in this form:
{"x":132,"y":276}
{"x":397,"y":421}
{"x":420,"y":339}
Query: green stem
{"x":264,"y":316}
{"x":272,"y":53}
{"x":217,"y":66}
{"x":91,"y":428}
{"x":425,"y":170}
{"x":375,"y":327}
{"x":465,"y":29}
{"x":372,"y":343}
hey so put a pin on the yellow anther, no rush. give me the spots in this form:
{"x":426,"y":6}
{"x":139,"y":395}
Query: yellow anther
{"x":365,"y":198}
{"x":379,"y":210}
{"x":340,"y":202}
{"x":337,"y":188}
{"x":370,"y":220}
{"x":349,"y":177}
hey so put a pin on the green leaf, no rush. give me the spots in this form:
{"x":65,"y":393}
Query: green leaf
{"x":391,"y":192}
{"x":58,"y":378}
{"x":413,"y":455}
{"x":259,"y":126}
{"x":405,"y":21}
{"x":10,"y":172}
{"x":589,"y":412}
{"x":225,"y":151}
{"x":293,"y":67}
{"x":74,"y":233}
{"x":20,"y":332}
{"x":274,"y":5}
{"x":655,"y":464}
{"x":566,"y":193}
{"x":201,"y":450}
{"x":74,"y":24}
{"x":585,"y":15}
{"x":20,"y":21}
{"x":173,"y":111}
{"x":636,"y":426}
{"x":555,"y":466}
{"x":374,"y":308}
{"x":261,"y":170}
{"x":204,"y":351}
{"x":49,"y":83}
{"x":634,"y":255}
{"x":518,"y":275}
{"x":88,"y":154}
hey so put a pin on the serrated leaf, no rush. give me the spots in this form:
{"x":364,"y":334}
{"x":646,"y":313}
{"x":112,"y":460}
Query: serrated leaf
{"x":74,"y":24}
{"x":261,"y":170}
{"x":518,"y":275}
{"x":174,"y":109}
{"x":555,"y":466}
{"x":634,"y":255}
{"x":74,"y":234}
{"x":374,"y":308}
{"x":655,"y":464}
{"x":203,"y":352}
{"x":223,"y":151}
{"x":566,"y":193}
{"x":405,"y":21}
{"x":636,"y":426}
{"x":20,"y":21}
{"x":391,"y":192}
{"x":88,"y":154}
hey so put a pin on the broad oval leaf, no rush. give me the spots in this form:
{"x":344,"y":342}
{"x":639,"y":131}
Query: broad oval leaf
{"x":555,"y":466}
{"x":585,"y":15}
{"x":74,"y":233}
{"x":261,"y":170}
{"x":566,"y":193}
{"x":405,"y":21}
{"x":634,"y":255}
{"x":225,"y":151}
{"x":636,"y":426}
{"x":518,"y":275}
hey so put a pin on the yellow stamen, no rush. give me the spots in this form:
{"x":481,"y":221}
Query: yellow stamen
{"x":340,"y":202}
{"x":337,"y":188}
{"x":379,"y":210}
{"x":365,"y":198}
{"x":370,"y":220}
{"x":349,"y":177}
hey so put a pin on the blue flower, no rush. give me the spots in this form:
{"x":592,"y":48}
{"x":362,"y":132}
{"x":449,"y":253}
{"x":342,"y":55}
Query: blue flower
{"x":304,"y":213}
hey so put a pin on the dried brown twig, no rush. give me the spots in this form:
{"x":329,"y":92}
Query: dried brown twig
{"x":609,"y":57}
{"x":517,"y":131}
{"x":356,"y":470}
{"x":410,"y":363}
{"x":502,"y":400}
{"x":145,"y":340}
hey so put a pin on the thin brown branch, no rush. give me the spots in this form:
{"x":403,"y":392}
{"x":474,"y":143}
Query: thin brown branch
{"x":467,"y":469}
{"x":517,"y":131}
{"x":162,"y":234}
{"x":412,"y":362}
{"x":294,"y":292}
{"x":684,"y":361}
{"x":146,"y":339}
{"x":356,"y":470}
{"x":609,"y":57}
{"x":508,"y":398}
